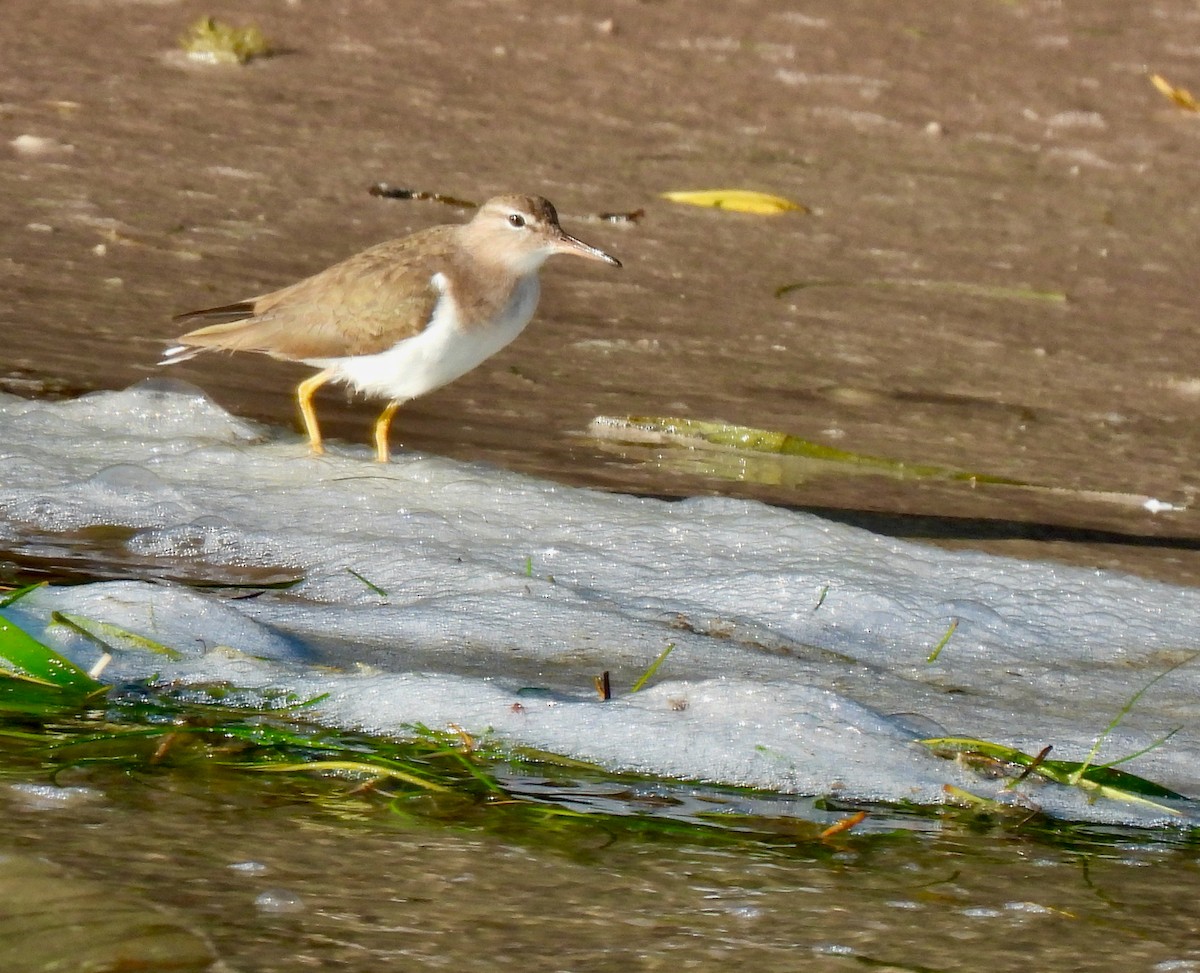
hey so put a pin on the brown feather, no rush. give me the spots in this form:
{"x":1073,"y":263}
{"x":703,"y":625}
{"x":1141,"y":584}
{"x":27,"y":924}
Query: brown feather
{"x":226,"y":312}
{"x":361,"y":306}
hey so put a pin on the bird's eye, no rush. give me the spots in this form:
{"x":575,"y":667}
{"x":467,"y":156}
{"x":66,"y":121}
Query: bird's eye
{"x":516,"y":219}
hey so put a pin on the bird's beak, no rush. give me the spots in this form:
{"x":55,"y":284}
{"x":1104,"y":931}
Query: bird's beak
{"x":569,"y":245}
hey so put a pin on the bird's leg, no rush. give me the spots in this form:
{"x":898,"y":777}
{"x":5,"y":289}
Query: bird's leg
{"x":382,"y":425}
{"x":304,"y":395}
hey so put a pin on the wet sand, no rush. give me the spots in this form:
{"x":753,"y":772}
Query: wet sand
{"x":994,"y":145}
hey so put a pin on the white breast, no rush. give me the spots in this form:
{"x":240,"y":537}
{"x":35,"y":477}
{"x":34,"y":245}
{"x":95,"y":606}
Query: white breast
{"x":439,"y":354}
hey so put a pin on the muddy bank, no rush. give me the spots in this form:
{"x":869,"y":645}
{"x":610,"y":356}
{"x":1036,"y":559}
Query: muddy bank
{"x":1012,"y":148}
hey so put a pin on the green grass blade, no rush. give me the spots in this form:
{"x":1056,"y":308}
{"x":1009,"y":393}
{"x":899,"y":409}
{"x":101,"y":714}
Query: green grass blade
{"x":721,"y":435}
{"x":1137,"y":753}
{"x":1124,"y":711}
{"x":351,"y":766}
{"x":708,"y":442}
{"x":649,"y":673}
{"x":1074,"y":772}
{"x":30,"y":659}
{"x":370,"y":584}
{"x":937,"y":649}
{"x":98,"y":634}
{"x":20,"y":593}
{"x":1103,"y":781}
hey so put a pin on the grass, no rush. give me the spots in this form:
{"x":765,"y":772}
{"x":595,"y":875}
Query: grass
{"x":965,"y":288}
{"x":943,"y":642}
{"x":1098,"y":780}
{"x":992,"y":759}
{"x":148,"y":733}
{"x":720,"y":449}
{"x":702,"y":434}
{"x":367,"y":583}
{"x":653,"y":668}
{"x":56,"y":718}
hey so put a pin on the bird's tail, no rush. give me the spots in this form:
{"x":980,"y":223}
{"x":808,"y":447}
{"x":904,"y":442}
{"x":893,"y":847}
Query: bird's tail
{"x":179,"y":353}
{"x":231,"y":321}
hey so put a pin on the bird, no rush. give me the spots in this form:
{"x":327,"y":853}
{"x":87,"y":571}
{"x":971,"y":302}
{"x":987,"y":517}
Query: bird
{"x":403,"y":317}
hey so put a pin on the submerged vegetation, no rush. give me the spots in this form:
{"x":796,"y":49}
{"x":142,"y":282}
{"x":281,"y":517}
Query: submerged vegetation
{"x":721,"y":449}
{"x":55,"y":717}
{"x":699,"y":434}
{"x":961,"y":287}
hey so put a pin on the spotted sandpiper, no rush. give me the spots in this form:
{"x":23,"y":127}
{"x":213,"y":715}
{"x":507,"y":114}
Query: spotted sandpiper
{"x":403,"y":317}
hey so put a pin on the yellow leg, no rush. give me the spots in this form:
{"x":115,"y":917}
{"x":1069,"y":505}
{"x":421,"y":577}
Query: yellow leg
{"x":304,"y":394}
{"x":382,"y":425}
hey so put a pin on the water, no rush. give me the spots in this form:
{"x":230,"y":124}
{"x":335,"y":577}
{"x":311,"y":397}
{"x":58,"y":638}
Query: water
{"x":463,"y":596}
{"x":1007,"y":146}
{"x":440,"y":593}
{"x":266,"y":882}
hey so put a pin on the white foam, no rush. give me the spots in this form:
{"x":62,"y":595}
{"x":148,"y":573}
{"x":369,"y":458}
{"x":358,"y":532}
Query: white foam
{"x":800,"y":645}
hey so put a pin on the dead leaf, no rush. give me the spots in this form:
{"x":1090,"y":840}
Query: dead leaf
{"x":1181,"y":96}
{"x":739,"y":200}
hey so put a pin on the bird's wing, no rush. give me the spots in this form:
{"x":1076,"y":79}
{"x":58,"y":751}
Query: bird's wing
{"x":361,"y":306}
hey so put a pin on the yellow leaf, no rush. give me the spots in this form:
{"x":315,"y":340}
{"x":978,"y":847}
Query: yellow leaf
{"x":739,"y":200}
{"x":1181,"y":96}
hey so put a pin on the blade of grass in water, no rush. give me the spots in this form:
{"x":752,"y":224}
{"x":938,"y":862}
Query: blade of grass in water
{"x":1122,"y":713}
{"x":28,"y":659}
{"x":649,"y":673}
{"x":699,"y":435}
{"x":369,"y":768}
{"x":374,"y":587}
{"x":946,"y":286}
{"x":1103,"y":781}
{"x":15,"y":596}
{"x":96,"y":633}
{"x":937,"y":649}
